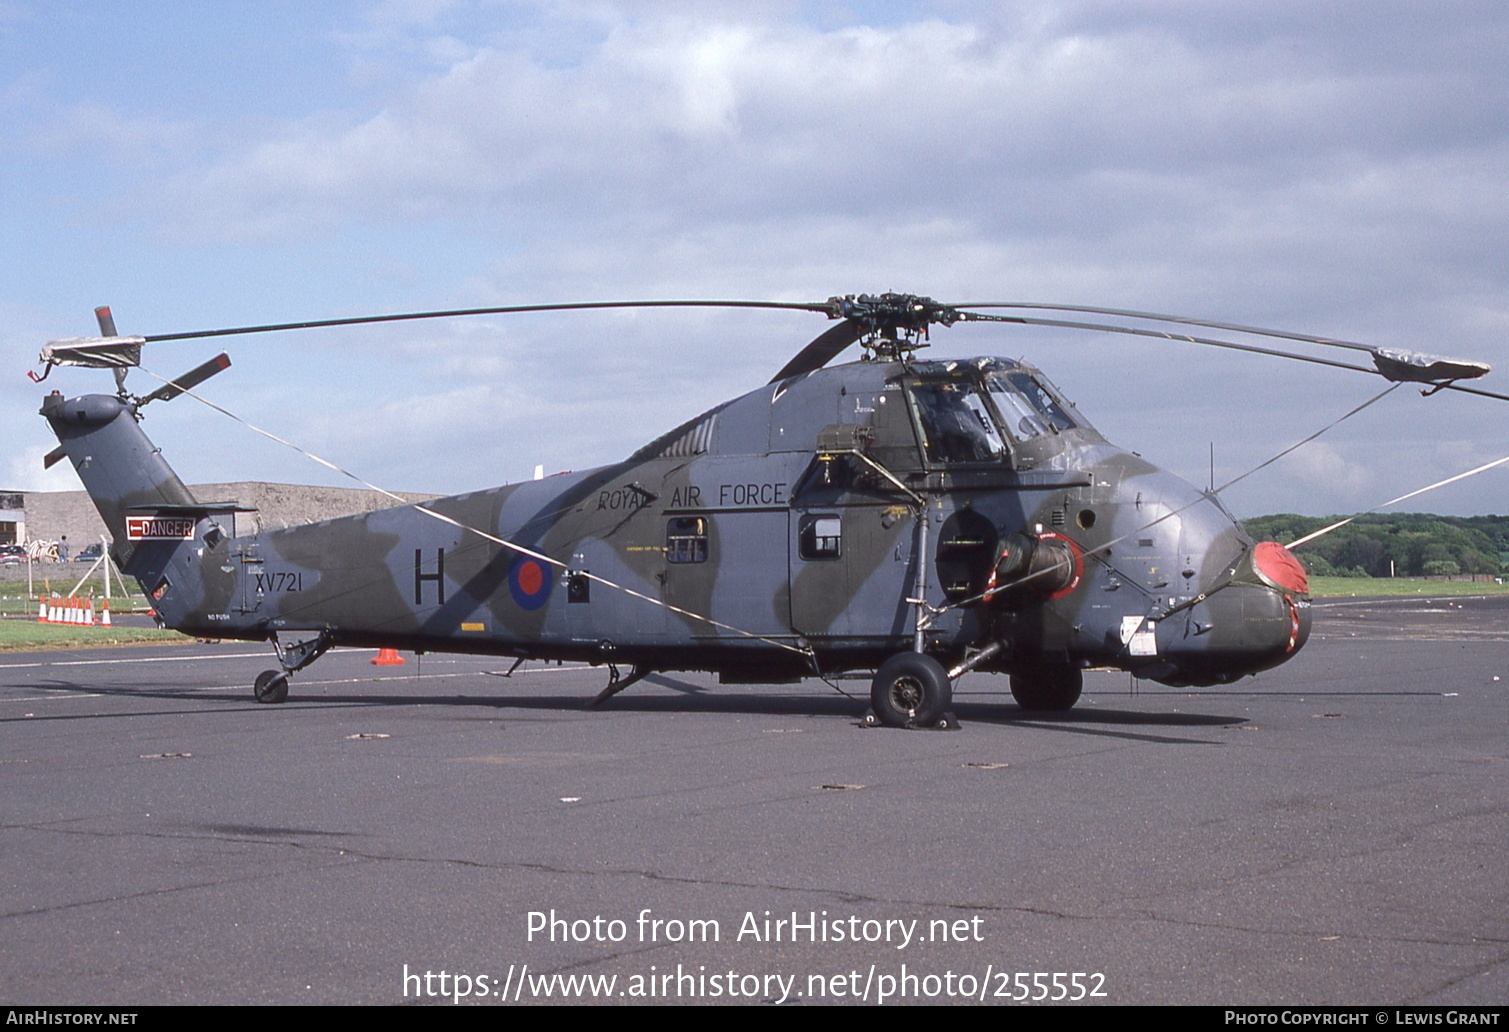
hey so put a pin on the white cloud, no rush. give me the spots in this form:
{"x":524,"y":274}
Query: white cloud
{"x":725,"y":120}
{"x":1340,"y":169}
{"x":1323,"y":469}
{"x":104,"y":133}
{"x":24,"y":471}
{"x":1136,"y":146}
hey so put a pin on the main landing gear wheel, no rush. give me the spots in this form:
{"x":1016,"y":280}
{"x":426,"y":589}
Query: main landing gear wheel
{"x":910,"y":690}
{"x":1047,"y":688}
{"x":271,"y":687}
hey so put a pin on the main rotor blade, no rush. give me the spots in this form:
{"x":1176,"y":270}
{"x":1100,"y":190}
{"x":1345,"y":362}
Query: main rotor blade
{"x":1127,"y":313}
{"x":1379,"y":369}
{"x":1137,"y":331}
{"x":859,"y":316}
{"x":1394,"y":364}
{"x":365,"y":320}
{"x":189,"y":380}
{"x":821,"y":351}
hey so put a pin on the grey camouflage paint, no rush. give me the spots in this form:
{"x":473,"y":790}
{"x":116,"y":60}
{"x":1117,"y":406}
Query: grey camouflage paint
{"x":750,"y":472}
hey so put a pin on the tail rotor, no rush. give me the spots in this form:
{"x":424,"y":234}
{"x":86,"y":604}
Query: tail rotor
{"x":118,"y":354}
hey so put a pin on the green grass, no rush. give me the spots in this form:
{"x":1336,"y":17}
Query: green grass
{"x":28,"y":635}
{"x":1363,"y":587}
{"x":14,"y":600}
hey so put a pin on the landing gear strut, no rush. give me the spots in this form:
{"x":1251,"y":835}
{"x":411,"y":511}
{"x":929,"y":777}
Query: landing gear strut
{"x":271,"y":686}
{"x":617,"y":684}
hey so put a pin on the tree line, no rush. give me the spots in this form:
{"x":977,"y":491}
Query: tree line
{"x":1398,"y":544}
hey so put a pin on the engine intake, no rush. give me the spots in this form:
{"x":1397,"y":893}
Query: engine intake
{"x":1048,"y":565}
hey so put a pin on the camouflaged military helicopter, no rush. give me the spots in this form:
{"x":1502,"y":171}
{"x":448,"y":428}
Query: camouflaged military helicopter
{"x":918,"y":519}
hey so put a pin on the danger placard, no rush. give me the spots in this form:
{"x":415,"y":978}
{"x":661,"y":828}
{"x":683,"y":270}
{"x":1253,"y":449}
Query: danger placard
{"x":159,"y":528}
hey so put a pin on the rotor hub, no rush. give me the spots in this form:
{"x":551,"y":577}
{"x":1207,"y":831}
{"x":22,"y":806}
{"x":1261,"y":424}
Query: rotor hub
{"x":892,"y":325}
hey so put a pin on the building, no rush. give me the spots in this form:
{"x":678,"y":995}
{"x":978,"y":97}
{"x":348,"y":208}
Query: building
{"x":52,"y":515}
{"x":12,"y":518}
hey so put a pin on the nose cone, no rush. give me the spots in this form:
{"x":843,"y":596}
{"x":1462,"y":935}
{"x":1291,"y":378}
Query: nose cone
{"x":1275,"y":566}
{"x":1255,"y":621}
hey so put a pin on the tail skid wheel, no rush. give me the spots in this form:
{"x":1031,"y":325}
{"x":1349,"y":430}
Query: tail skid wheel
{"x":270,"y":687}
{"x":910,"y":690}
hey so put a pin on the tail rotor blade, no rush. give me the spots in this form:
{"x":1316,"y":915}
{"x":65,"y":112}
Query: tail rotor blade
{"x":53,"y":457}
{"x":189,"y":380}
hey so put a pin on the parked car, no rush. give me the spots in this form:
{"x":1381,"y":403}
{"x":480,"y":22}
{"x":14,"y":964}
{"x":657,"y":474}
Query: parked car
{"x":88,"y":554}
{"x":12,"y":555}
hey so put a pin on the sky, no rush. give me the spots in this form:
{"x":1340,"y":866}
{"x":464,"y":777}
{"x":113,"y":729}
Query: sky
{"x":1339,"y":169}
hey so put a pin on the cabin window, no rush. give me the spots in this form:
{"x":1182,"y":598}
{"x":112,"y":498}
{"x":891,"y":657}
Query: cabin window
{"x":956,"y":423}
{"x":820,"y":537}
{"x":1026,"y":406}
{"x":686,"y":540}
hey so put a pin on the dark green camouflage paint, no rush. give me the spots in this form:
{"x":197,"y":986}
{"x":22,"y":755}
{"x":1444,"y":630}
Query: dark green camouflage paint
{"x":749,"y":470}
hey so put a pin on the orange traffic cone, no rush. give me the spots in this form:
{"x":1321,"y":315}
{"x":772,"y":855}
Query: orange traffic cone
{"x":42,"y":612}
{"x":387,"y":657}
{"x":105,"y":614}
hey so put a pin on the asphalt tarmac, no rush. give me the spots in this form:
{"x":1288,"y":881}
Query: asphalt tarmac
{"x":1330,"y":832}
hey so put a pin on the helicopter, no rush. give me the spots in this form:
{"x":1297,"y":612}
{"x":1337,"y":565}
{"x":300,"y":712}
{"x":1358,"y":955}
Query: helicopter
{"x":894,"y":518}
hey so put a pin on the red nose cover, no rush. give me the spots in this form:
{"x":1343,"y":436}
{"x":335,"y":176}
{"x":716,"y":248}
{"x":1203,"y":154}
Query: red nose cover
{"x":1278,"y":568}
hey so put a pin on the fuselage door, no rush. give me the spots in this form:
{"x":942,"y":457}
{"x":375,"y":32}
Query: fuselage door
{"x":246,"y":557}
{"x":851,"y":567}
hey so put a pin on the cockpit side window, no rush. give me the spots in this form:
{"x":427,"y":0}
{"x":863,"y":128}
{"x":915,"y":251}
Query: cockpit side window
{"x":1026,"y":406}
{"x":956,"y":423}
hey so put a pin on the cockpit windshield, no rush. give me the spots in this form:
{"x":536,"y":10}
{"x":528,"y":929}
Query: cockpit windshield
{"x":1026,"y":406}
{"x":956,"y":423}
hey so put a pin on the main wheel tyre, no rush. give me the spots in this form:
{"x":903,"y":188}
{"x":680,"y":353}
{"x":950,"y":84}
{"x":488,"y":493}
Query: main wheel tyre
{"x":1047,"y":688}
{"x":270,"y":687}
{"x":910,"y":689}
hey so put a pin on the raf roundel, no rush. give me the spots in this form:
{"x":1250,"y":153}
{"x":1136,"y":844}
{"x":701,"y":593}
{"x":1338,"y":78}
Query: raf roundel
{"x":529,"y":583}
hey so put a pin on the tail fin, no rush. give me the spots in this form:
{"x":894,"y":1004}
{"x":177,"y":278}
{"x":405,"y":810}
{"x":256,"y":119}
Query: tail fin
{"x":125,"y":475}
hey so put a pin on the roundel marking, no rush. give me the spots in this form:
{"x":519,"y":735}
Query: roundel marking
{"x":528,"y":583}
